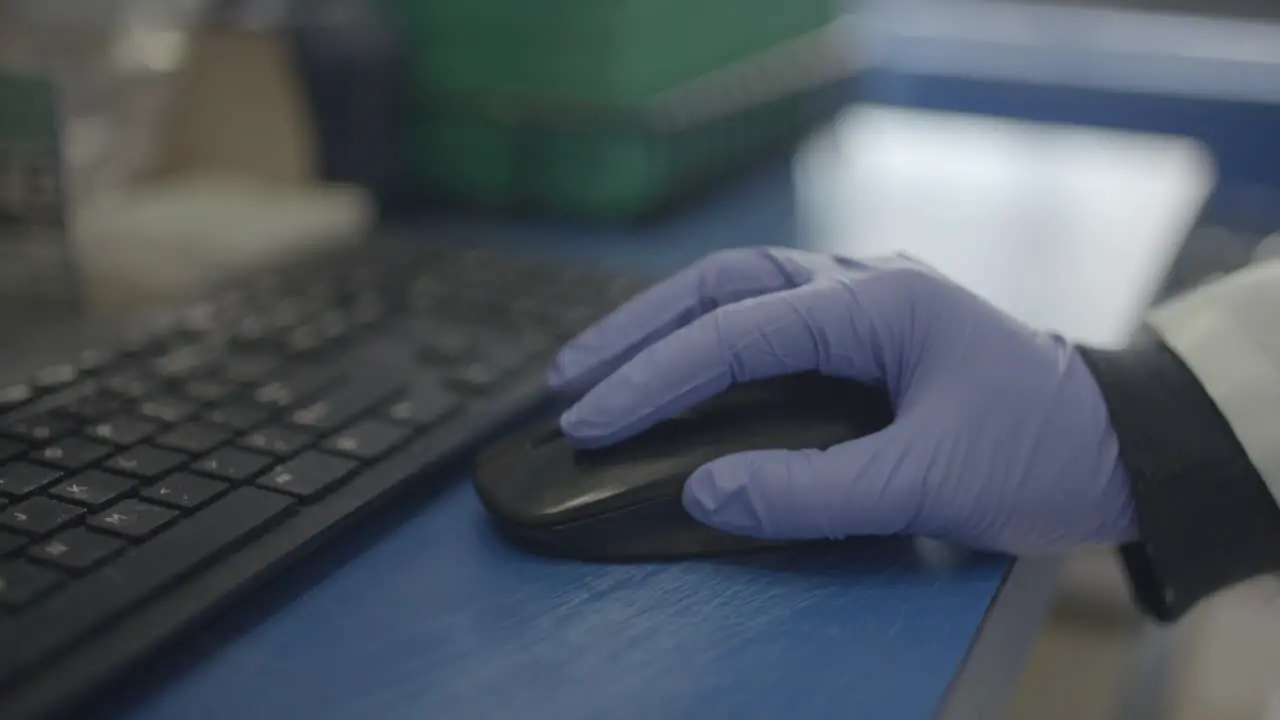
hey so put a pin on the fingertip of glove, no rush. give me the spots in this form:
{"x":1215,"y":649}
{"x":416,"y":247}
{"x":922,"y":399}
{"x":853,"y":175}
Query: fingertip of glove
{"x":699,"y":495}
{"x":562,"y":373}
{"x":711,"y":496}
{"x":582,"y":429}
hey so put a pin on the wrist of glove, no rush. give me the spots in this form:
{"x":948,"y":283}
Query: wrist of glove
{"x":1205,"y":516}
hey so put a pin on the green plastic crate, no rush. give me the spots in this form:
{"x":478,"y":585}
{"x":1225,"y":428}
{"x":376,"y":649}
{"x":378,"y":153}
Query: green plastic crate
{"x":480,"y":160}
{"x":603,"y":163}
{"x":27,"y":112}
{"x":38,"y":274}
{"x":601,"y":52}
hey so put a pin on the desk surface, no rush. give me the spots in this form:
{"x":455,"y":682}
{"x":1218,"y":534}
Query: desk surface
{"x":440,"y":618}
{"x":429,"y":614}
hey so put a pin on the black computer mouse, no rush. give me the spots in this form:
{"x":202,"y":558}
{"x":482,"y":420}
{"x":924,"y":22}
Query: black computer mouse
{"x":623,"y":502}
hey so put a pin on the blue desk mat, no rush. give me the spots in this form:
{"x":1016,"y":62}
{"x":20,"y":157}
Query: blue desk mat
{"x":429,"y":614}
{"x":442,"y":619}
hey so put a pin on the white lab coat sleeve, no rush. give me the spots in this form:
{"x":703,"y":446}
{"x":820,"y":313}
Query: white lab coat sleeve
{"x":1227,"y":332}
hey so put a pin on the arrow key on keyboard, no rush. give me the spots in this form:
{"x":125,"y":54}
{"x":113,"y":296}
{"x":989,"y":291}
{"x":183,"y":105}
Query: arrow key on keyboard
{"x":38,"y":516}
{"x":184,"y":491}
{"x":93,"y":488}
{"x":132,"y":519}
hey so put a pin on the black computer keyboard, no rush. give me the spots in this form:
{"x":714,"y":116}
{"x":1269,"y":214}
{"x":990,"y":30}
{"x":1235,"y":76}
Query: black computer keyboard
{"x":148,"y":473}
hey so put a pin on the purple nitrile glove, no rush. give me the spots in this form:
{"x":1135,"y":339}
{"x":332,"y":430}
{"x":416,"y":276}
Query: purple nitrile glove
{"x":1001,"y":439}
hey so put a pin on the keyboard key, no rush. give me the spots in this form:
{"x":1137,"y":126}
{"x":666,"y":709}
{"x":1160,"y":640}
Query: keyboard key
{"x":10,"y":543}
{"x":93,"y":488}
{"x":286,"y":314}
{"x":40,"y":428}
{"x":94,"y":360}
{"x":130,"y":383}
{"x":18,"y":479}
{"x":304,"y":339}
{"x":515,"y":351}
{"x":141,"y":572}
{"x":298,"y":385}
{"x":93,"y":406}
{"x":233,"y":464}
{"x":166,"y":409}
{"x":56,"y":376}
{"x":367,"y":440}
{"x":200,"y":319}
{"x":334,"y":325}
{"x":123,"y":430}
{"x":185,"y":361}
{"x":146,"y":461}
{"x":206,"y":390}
{"x":132,"y":519}
{"x":425,"y":404}
{"x":194,"y":438}
{"x":238,"y":416}
{"x":11,"y":396}
{"x":76,"y":550}
{"x":279,"y":441}
{"x":71,"y":453}
{"x":141,"y":340}
{"x":250,"y":329}
{"x":38,"y":516}
{"x":249,"y":367}
{"x":476,"y":377}
{"x":184,"y":491}
{"x":344,"y":404}
{"x":21,"y":583}
{"x":309,"y":475}
{"x":442,"y":344}
{"x":11,"y":448}
{"x":72,"y":405}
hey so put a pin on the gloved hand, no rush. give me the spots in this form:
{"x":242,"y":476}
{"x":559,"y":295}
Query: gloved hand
{"x":1001,"y":439}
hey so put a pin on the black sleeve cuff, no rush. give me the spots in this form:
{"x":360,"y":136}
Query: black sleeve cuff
{"x":1206,"y":519}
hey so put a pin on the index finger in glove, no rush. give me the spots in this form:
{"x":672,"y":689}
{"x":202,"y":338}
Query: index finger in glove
{"x":817,"y":327}
{"x":718,"y":280}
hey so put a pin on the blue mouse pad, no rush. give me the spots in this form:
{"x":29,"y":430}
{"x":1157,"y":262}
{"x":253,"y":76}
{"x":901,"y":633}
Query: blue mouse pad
{"x":441,"y":618}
